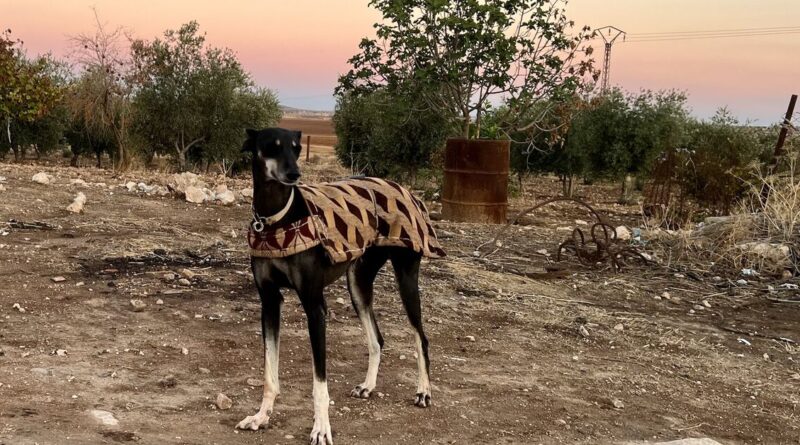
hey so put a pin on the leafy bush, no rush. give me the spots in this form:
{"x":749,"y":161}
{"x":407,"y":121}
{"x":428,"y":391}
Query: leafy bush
{"x":387,"y":134}
{"x":719,"y":159}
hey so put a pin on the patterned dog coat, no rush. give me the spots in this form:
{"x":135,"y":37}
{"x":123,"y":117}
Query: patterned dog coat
{"x":347,"y":217}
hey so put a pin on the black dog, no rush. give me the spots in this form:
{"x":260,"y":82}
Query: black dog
{"x":275,"y":192}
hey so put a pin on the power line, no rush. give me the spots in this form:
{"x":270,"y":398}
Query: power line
{"x":713,"y":36}
{"x":776,"y":28}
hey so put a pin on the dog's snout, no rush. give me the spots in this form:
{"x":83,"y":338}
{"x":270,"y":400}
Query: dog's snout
{"x":293,"y":176}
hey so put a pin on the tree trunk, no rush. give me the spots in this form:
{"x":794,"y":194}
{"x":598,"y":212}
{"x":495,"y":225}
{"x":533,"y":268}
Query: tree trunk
{"x":73,"y":162}
{"x":181,"y":160}
{"x":568,"y":185}
{"x":466,"y":124}
{"x":99,"y":155}
{"x":627,"y":189}
{"x":17,"y":156}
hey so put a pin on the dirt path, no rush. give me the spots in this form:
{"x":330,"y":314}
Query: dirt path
{"x":529,"y":376}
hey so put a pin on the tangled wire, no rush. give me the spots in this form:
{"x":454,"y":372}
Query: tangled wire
{"x":604,"y":246}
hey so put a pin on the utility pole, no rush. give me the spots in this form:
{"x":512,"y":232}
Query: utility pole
{"x":779,"y":151}
{"x":609,"y":34}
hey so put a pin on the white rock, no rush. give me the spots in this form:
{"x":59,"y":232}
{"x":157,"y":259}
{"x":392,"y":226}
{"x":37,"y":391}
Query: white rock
{"x":182,"y":181}
{"x":255,"y":382}
{"x":159,"y":301}
{"x":42,"y":178}
{"x":580,"y":222}
{"x":247,"y":193}
{"x":623,"y":233}
{"x":223,"y":401}
{"x":617,"y":403}
{"x":692,"y":441}
{"x":104,"y":417}
{"x":226,"y":198}
{"x":220,"y":188}
{"x":131,"y":186}
{"x":138,"y":305}
{"x":619,"y":327}
{"x":2,"y":188}
{"x":470,"y":338}
{"x":77,"y":203}
{"x":341,"y":301}
{"x":195,"y":194}
{"x":184,"y":282}
{"x":18,"y":307}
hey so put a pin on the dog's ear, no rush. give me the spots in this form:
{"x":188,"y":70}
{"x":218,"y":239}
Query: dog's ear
{"x":299,"y":146}
{"x":250,"y":142}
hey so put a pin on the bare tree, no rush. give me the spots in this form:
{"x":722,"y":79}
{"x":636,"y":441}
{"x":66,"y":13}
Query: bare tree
{"x":106,"y":85}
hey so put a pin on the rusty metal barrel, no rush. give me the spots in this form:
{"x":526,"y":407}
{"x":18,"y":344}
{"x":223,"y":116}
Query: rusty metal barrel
{"x":476,"y":180}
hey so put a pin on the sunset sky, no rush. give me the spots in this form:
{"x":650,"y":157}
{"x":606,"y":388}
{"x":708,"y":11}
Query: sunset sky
{"x":298,"y":48}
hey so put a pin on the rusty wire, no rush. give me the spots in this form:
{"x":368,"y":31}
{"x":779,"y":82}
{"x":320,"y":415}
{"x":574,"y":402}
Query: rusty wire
{"x":603,"y":237}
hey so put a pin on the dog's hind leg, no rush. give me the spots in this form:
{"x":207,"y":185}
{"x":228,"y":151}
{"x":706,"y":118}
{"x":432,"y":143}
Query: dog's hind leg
{"x":360,"y":278}
{"x":406,"y":269}
{"x":271,"y":301}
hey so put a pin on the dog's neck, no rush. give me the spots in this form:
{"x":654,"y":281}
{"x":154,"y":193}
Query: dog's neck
{"x":270,"y":197}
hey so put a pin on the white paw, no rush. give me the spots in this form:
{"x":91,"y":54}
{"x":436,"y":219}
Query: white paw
{"x":423,"y":399}
{"x":254,"y":422}
{"x":321,"y":433}
{"x":361,"y":391}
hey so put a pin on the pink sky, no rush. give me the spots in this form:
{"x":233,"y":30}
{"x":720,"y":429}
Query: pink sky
{"x":298,"y":48}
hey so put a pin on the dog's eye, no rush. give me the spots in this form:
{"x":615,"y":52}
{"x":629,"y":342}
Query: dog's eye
{"x":294,"y":144}
{"x":278,"y":142}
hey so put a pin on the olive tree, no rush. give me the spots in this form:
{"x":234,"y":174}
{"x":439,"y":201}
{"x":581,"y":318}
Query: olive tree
{"x":468,"y":54}
{"x":193,"y":96}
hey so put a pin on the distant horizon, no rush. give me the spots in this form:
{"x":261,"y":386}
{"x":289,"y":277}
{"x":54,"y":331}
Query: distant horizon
{"x":298,"y":50}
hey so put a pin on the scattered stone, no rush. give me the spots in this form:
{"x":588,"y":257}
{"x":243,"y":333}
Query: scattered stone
{"x":204,"y":370}
{"x":617,"y":404}
{"x":42,"y":178}
{"x":288,"y":437}
{"x":561,"y":422}
{"x":583,"y":331}
{"x":168,"y":382}
{"x":742,"y":282}
{"x":470,"y":338}
{"x":60,"y":352}
{"x":104,"y":417}
{"x":137,"y":305}
{"x":223,"y":402}
{"x":543,"y":252}
{"x":623,"y":233}
{"x":692,"y":441}
{"x":169,"y":276}
{"x":786,"y":274}
{"x":580,"y":222}
{"x":226,"y":198}
{"x":247,"y":193}
{"x":665,"y":295}
{"x":619,"y":327}
{"x":2,"y":188}
{"x":255,"y":382}
{"x":699,"y":307}
{"x":187,"y":273}
{"x":18,"y":308}
{"x":345,"y":409}
{"x":402,"y":357}
{"x":184,"y":351}
{"x":159,"y":301}
{"x":77,"y":203}
{"x":341,"y":301}
{"x":58,"y":279}
{"x":706,"y":303}
{"x":41,"y":371}
{"x":435,"y":216}
{"x":131,"y":186}
{"x":195,"y":195}
{"x":184,"y":282}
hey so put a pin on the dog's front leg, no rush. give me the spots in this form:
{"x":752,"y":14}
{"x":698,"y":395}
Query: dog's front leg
{"x":314,"y":306}
{"x":271,"y":300}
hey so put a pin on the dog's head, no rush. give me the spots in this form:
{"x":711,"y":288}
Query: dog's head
{"x":275,"y":152}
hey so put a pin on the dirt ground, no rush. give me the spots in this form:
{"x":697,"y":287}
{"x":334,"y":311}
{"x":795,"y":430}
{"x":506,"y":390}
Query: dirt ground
{"x":593,"y":358}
